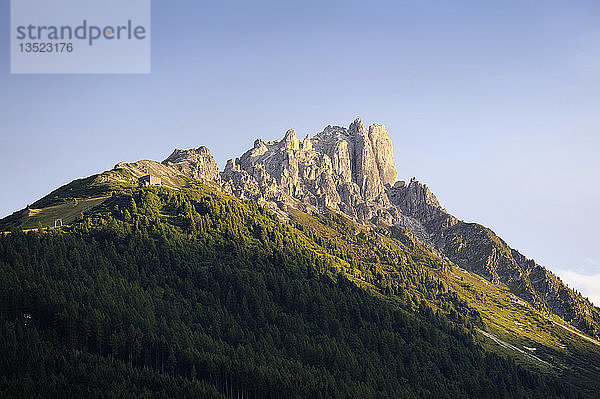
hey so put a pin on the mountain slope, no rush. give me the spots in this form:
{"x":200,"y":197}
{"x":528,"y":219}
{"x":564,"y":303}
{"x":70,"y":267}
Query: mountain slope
{"x":336,"y":195}
{"x":198,"y":285}
{"x":478,"y":249}
{"x":352,"y":171}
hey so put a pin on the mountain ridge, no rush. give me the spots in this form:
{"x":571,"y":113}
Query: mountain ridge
{"x":352,"y":171}
{"x":193,"y":285}
{"x":280,"y":207}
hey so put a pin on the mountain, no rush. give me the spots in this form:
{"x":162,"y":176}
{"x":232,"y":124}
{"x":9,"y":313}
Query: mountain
{"x":345,"y":170}
{"x":194,"y":293}
{"x":304,"y":268}
{"x":352,"y":171}
{"x":480,"y":250}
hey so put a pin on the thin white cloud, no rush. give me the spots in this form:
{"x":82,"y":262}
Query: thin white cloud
{"x":588,"y":285}
{"x":592,"y":262}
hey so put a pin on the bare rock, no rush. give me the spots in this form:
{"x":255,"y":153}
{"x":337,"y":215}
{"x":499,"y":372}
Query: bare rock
{"x":195,"y":163}
{"x":384,"y":153}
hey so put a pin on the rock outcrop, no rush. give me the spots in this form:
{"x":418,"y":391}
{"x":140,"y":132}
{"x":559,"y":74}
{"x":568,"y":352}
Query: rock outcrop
{"x":168,"y":176}
{"x":340,"y":169}
{"x":195,"y":163}
{"x":384,"y":153}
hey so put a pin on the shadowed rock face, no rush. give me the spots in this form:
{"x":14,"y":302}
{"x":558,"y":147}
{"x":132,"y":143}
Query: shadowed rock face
{"x":352,"y":170}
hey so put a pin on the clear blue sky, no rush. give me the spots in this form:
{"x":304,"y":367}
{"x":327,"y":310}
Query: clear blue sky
{"x":495,"y":105}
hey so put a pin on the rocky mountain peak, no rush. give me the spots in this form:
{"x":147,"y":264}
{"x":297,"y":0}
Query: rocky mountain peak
{"x":197,"y":163}
{"x":352,"y":171}
{"x":384,"y":153}
{"x":345,"y":169}
{"x":179,"y":155}
{"x":416,"y":200}
{"x":423,"y":193}
{"x":357,"y":127}
{"x":290,"y":140}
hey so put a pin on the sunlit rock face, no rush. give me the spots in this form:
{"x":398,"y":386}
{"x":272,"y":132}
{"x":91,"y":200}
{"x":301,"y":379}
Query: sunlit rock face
{"x":344,"y":169}
{"x":196,"y":163}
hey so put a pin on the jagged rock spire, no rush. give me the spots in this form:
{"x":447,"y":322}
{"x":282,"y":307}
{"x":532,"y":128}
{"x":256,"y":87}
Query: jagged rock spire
{"x":346,"y":169}
{"x":290,"y":140}
{"x":357,"y":127}
{"x":384,"y":153}
{"x":366,"y":171}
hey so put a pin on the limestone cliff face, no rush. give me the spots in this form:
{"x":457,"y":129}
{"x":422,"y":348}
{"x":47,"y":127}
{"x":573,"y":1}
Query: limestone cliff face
{"x":195,"y":163}
{"x":339,"y":169}
{"x":384,"y":154}
{"x":352,"y":171}
{"x":367,"y":173}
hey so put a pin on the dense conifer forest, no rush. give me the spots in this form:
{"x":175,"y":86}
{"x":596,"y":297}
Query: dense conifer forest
{"x":192,"y":293}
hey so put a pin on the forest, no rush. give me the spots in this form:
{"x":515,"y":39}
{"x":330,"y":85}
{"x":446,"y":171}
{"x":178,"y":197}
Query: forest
{"x":193,"y":293}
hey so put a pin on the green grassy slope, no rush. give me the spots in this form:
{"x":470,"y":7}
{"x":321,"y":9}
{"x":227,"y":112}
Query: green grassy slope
{"x":538,"y":339}
{"x":68,"y":202}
